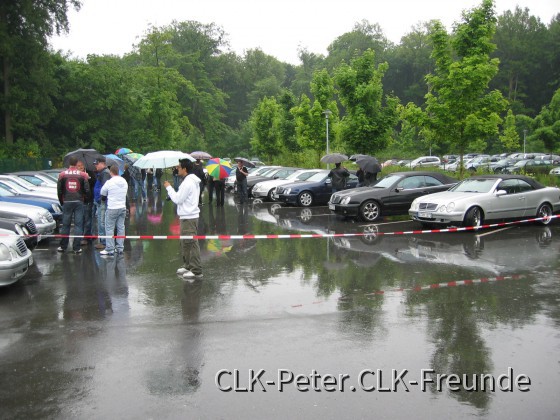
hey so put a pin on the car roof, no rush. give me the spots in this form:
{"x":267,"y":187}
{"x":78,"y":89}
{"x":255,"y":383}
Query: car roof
{"x":534,"y":183}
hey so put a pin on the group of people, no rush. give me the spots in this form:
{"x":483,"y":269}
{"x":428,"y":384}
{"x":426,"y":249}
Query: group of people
{"x":103,"y":195}
{"x":84,"y":196}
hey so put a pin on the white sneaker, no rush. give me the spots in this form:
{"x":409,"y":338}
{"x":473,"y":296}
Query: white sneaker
{"x":188,"y":275}
{"x":182,"y":270}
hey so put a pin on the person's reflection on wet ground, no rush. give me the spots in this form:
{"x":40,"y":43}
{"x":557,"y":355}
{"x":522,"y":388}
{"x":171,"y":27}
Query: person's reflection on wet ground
{"x":85,"y":299}
{"x":115,"y":282}
{"x":242,"y":219}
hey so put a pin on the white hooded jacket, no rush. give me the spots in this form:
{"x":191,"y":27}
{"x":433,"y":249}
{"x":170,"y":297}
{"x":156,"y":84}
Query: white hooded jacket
{"x":187,"y":197}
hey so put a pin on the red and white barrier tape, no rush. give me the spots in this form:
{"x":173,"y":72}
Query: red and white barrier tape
{"x":294,"y":236}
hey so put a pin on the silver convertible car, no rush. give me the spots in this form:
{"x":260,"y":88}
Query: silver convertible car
{"x":480,"y":199}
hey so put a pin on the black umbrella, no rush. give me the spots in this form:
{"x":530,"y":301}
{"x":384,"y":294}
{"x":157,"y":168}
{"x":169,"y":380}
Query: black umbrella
{"x":355,"y":157}
{"x":87,"y":156}
{"x":245,"y":161}
{"x":334,"y":158}
{"x":368,"y":164}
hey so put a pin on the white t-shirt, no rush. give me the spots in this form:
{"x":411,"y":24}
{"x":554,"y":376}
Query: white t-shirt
{"x":115,"y":189}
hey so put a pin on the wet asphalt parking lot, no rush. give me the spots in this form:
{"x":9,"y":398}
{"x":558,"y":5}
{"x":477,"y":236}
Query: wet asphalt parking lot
{"x":372,"y":325}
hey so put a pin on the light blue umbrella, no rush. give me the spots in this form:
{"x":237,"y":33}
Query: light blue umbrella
{"x":114,"y":159}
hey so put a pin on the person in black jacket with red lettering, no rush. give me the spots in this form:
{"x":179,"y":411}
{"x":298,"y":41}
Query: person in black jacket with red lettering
{"x":73,"y":190}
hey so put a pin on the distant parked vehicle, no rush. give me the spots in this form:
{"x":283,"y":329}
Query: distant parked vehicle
{"x":424,"y":162}
{"x":530,"y":166}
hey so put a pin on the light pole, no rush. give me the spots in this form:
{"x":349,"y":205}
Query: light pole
{"x":524,"y":138}
{"x":327,"y":113}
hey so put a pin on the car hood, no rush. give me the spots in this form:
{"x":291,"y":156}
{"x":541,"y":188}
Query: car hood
{"x":359,"y":191}
{"x":447,"y":196}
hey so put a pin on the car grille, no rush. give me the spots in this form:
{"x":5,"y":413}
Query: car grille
{"x":335,"y":199}
{"x":22,"y":249}
{"x":49,"y":217}
{"x":30,"y":225}
{"x":427,"y":206}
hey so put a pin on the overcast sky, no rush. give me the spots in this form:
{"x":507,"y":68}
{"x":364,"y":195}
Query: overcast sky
{"x":278,"y":28}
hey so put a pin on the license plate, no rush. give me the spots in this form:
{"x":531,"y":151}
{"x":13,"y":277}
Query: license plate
{"x":331,"y":206}
{"x":425,"y":214}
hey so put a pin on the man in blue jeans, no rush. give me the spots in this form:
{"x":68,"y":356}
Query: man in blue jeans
{"x":103,"y":176}
{"x":115,"y":190}
{"x":72,"y":189}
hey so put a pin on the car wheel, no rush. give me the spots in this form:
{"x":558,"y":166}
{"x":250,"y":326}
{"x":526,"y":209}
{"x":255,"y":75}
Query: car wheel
{"x":269,"y":195}
{"x":274,"y":208}
{"x":544,"y":211}
{"x":474,"y":217}
{"x":305,"y":199}
{"x":370,"y":211}
{"x":371,"y":235}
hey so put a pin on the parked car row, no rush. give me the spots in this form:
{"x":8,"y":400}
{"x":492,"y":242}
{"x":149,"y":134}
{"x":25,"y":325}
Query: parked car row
{"x":29,"y":210}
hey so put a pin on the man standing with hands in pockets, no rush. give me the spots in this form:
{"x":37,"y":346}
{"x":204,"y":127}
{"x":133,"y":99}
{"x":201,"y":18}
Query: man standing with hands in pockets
{"x":186,"y":198}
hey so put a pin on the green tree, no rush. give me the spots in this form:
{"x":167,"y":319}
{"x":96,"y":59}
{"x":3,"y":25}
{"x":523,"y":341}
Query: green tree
{"x":265,"y":123}
{"x":510,"y":137}
{"x":460,"y":110}
{"x":547,"y":125}
{"x":370,"y":115}
{"x":25,"y":26}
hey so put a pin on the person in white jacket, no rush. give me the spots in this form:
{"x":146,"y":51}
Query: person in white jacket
{"x":186,"y":199}
{"x":114,"y":190}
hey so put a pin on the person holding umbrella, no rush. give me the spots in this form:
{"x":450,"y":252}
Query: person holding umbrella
{"x":241,"y":178}
{"x":338,"y":177}
{"x":186,"y":199}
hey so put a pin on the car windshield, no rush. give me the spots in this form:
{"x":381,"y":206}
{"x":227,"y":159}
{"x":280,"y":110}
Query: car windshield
{"x":14,"y":185}
{"x":4,"y":192}
{"x":387,"y":181}
{"x":319,"y":176}
{"x":303,"y":176}
{"x":475,"y":185}
{"x":26,"y":185}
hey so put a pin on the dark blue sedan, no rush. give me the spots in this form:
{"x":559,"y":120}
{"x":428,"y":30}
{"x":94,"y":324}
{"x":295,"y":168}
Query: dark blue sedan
{"x":53,"y":206}
{"x":315,"y":190}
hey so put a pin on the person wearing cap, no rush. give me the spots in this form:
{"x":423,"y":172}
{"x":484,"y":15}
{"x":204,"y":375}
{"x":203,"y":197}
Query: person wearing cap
{"x":99,"y":203}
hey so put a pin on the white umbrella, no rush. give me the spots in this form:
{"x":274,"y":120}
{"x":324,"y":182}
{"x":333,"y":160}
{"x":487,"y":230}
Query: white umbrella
{"x":162,"y":159}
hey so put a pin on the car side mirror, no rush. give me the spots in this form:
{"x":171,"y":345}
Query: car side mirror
{"x":399,"y":189}
{"x":328,"y":181}
{"x":500,"y":193}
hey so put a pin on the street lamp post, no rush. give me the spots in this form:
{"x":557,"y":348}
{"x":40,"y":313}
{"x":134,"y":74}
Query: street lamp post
{"x":327,"y":113}
{"x":524,"y":138}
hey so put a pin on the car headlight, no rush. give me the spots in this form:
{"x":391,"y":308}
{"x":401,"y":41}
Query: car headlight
{"x":57,"y":208}
{"x":5,"y":254}
{"x":446,"y":208}
{"x":43,"y":217}
{"x":287,"y":191}
{"x":414,"y":206}
{"x":25,"y":230}
{"x":257,"y":187}
{"x":345,"y":201}
{"x":18,"y":229}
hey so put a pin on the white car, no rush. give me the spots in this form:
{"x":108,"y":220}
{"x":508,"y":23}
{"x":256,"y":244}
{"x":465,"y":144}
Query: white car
{"x":265,"y":189}
{"x":42,"y":218}
{"x":15,"y":257}
{"x":425,"y":161}
{"x":23,"y":187}
{"x":480,"y":199}
{"x":555,"y":171}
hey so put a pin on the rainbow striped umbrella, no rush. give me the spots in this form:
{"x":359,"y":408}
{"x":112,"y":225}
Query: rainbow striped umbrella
{"x":122,"y":151}
{"x":218,"y":168}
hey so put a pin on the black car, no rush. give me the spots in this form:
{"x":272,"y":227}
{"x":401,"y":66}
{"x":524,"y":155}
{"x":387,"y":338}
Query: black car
{"x":22,"y":226}
{"x":317,"y":189}
{"x":391,"y":195}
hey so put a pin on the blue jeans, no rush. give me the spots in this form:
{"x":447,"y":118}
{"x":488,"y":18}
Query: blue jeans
{"x":136,"y":184}
{"x":100,"y":209}
{"x":69,"y":209}
{"x":115,"y":217}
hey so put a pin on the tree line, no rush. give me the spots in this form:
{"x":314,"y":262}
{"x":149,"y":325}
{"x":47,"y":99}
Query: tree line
{"x":491,"y":85}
